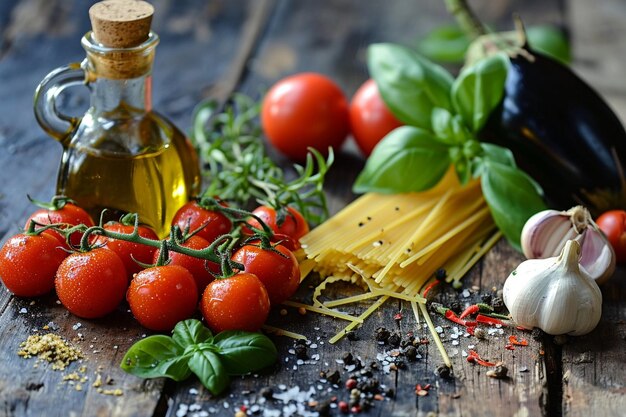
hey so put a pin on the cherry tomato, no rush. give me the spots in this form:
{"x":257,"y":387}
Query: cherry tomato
{"x":91,"y":284}
{"x":305,"y":110}
{"x":277,"y":269}
{"x":293,"y":226}
{"x":239,"y":302}
{"x":194,"y":216}
{"x":613,"y":224}
{"x":130,"y":252}
{"x":197,"y":266}
{"x":28,"y":264}
{"x":370,"y":119}
{"x":70,"y":214}
{"x":161,"y":296}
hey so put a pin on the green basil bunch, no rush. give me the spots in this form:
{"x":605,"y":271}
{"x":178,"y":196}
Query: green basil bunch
{"x":193,"y":349}
{"x":443,"y":116}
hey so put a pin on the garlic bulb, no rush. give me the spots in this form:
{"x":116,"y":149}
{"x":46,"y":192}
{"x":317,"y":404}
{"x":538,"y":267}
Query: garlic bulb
{"x":554,"y":294}
{"x":544,"y":235}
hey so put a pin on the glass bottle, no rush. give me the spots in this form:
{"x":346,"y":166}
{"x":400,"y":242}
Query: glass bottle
{"x":120,"y":155}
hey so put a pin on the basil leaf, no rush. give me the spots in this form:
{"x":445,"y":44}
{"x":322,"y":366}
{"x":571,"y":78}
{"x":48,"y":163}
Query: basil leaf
{"x":550,"y":41}
{"x":409,"y":84}
{"x":449,"y":128}
{"x":210,"y":371}
{"x":478,"y":90}
{"x":191,"y":332}
{"x":444,"y":44}
{"x":407,"y":159}
{"x":512,"y":197}
{"x":242,"y":352}
{"x":154,"y":357}
{"x":498,"y":154}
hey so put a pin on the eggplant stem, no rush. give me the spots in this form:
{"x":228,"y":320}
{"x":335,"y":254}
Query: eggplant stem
{"x":466,"y":18}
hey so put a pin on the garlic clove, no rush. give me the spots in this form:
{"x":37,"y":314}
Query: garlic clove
{"x":598,"y":256}
{"x":545,"y":234}
{"x":554,"y":294}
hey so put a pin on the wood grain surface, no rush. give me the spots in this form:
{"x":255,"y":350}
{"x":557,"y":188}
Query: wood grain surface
{"x":210,"y":49}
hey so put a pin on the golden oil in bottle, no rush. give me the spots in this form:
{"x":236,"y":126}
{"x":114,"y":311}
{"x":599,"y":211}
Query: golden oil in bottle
{"x":153,"y":182}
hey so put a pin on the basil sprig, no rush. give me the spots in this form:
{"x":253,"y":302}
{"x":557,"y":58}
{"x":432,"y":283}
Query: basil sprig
{"x":443,"y":117}
{"x":193,"y":349}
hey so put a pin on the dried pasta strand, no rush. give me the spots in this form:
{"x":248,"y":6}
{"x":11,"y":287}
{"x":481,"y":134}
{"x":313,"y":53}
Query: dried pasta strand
{"x":282,"y":332}
{"x":431,"y":327}
{"x":363,"y":316}
{"x":323,"y":310}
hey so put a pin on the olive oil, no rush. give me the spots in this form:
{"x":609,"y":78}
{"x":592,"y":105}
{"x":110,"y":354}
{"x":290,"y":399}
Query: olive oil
{"x":154,"y":180}
{"x":120,"y":155}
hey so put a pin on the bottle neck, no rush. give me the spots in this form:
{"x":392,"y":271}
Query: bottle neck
{"x":120,"y":78}
{"x":109,"y":95}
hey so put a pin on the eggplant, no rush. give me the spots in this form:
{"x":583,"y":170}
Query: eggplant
{"x":561,"y":132}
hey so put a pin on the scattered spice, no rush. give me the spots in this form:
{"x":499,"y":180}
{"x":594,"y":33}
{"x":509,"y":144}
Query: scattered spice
{"x":480,"y":333}
{"x":429,"y":287}
{"x":444,"y":371}
{"x":500,"y":371}
{"x":381,"y":334}
{"x":492,"y":321}
{"x":51,"y":348}
{"x":497,"y":303}
{"x":514,"y":341}
{"x":473,"y":357}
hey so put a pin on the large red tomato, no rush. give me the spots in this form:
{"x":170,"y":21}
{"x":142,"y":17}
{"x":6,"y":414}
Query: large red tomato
{"x":370,"y":119}
{"x":305,"y":110}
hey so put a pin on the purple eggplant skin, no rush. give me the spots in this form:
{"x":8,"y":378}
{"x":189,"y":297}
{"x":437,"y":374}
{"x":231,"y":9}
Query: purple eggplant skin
{"x":562,"y":133}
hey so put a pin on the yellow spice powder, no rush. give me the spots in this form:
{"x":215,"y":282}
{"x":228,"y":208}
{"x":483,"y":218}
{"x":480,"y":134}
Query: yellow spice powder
{"x":51,"y":348}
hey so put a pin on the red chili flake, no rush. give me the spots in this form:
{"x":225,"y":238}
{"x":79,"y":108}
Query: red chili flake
{"x":509,"y":347}
{"x":513,"y":340}
{"x":451,"y":315}
{"x":473,"y":309}
{"x":470,"y":330}
{"x":473,"y":357}
{"x":489,"y":320}
{"x":379,"y":397}
{"x":397,"y":316}
{"x":541,"y":352}
{"x":243,"y":408}
{"x":351,"y":383}
{"x":427,"y":387}
{"x":343,"y":406}
{"x":424,"y":341}
{"x":524,"y":329}
{"x":356,"y":409}
{"x":429,"y":287}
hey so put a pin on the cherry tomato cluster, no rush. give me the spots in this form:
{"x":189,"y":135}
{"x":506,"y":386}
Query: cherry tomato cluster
{"x":310,"y":110}
{"x":202,"y":264}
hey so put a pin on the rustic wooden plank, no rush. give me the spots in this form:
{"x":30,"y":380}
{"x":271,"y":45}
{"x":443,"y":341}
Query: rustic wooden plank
{"x":593,"y":377}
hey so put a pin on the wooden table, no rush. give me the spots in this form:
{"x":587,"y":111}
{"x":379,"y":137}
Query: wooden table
{"x":212,"y":49}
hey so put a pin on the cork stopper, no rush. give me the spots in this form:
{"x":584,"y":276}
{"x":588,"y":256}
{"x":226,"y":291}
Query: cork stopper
{"x":121,"y":23}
